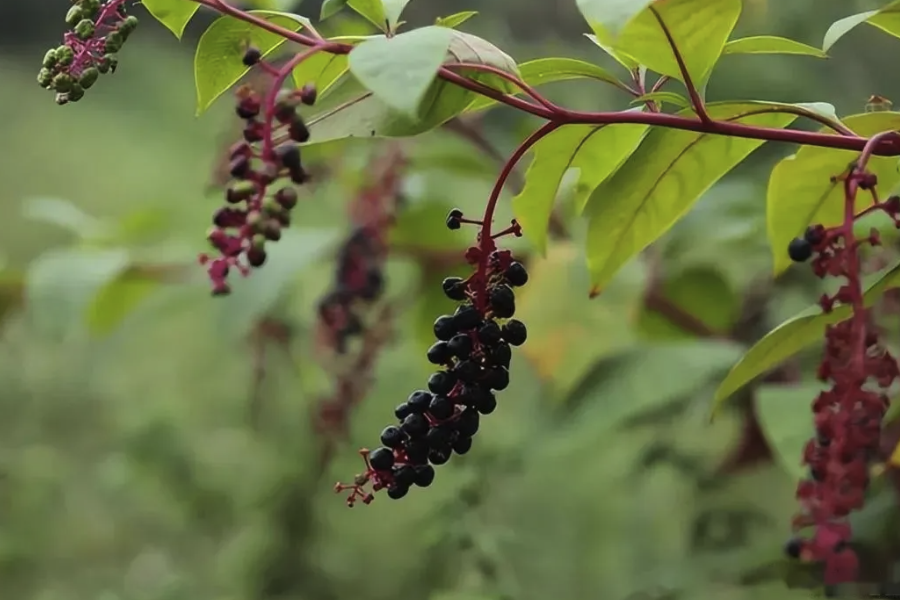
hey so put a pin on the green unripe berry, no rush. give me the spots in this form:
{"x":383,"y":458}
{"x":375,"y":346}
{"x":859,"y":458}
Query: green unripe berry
{"x":127,"y":27}
{"x":45,"y":78}
{"x":75,"y":14}
{"x":76,"y":93}
{"x":85,"y":29}
{"x":64,"y":56}
{"x":49,"y":59}
{"x":108,"y":64}
{"x":259,"y":241}
{"x":271,"y":207}
{"x":89,"y":77}
{"x":63,"y":83}
{"x":90,"y":8}
{"x":112,"y":43}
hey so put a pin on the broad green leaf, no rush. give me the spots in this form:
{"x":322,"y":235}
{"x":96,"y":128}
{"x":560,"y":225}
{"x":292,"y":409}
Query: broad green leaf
{"x":331,"y":8}
{"x":392,"y":11}
{"x":321,"y":69}
{"x":61,"y":285}
{"x":594,"y":151}
{"x":217,"y":62}
{"x":801,"y":192}
{"x":455,"y":20}
{"x":65,"y":214}
{"x":116,"y":300}
{"x":548,"y":70}
{"x":663,"y":97}
{"x":705,"y":294}
{"x":400,"y":69}
{"x":886,"y":19}
{"x":787,"y":421}
{"x":792,"y":336}
{"x":770,"y":44}
{"x":626,"y":61}
{"x":632,"y":28}
{"x":358,"y":113}
{"x":173,"y":14}
{"x":626,"y":391}
{"x":661,"y":181}
{"x":372,"y":10}
{"x":413,"y":220}
{"x":256,"y":294}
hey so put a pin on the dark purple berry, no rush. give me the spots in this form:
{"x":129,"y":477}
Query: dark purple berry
{"x":441,"y":408}
{"x":392,"y":437}
{"x":424,"y":475}
{"x":468,"y":423}
{"x":503,"y":301}
{"x":256,"y":257}
{"x":462,"y":445}
{"x":486,"y":403}
{"x":414,"y":425}
{"x":419,"y":401}
{"x":445,"y":328}
{"x":454,"y":219}
{"x":381,"y":459}
{"x":402,"y":411}
{"x":516,"y":275}
{"x":439,"y":354}
{"x":793,"y":548}
{"x":489,"y":334}
{"x":497,"y":378}
{"x":417,"y":452}
{"x":460,"y":346}
{"x":441,"y":383}
{"x":298,"y":131}
{"x":800,"y":250}
{"x":286,"y":197}
{"x":251,"y":56}
{"x":515,"y":332}
{"x":404,"y":475}
{"x":439,"y":456}
{"x":395,"y":492}
{"x":467,"y":371}
{"x":454,"y":288}
{"x":437,"y":437}
{"x":466,"y":318}
{"x":501,"y":355}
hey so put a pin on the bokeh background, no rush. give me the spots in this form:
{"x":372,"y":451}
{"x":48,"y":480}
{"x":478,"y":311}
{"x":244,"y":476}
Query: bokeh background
{"x":156,"y":444}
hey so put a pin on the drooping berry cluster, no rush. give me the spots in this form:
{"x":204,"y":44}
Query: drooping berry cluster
{"x":473,"y":349}
{"x":89,"y":49}
{"x":847,"y":416}
{"x":269,"y":154}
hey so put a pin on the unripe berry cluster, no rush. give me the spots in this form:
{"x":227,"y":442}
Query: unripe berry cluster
{"x":847,"y":417}
{"x":98,"y":31}
{"x":268,"y":155}
{"x":473,"y":349}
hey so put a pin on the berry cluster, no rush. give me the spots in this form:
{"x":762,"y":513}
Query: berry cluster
{"x":268,"y":154}
{"x":473,"y":348}
{"x":848,"y":416}
{"x":89,"y":49}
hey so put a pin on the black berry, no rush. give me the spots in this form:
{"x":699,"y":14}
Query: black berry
{"x":419,"y":401}
{"x":256,"y":257}
{"x":392,"y":437}
{"x":454,"y":219}
{"x":441,"y":383}
{"x":462,"y":445}
{"x":424,"y":475}
{"x":800,"y":250}
{"x":468,"y":423}
{"x":441,"y":408}
{"x":814,"y":234}
{"x":395,"y":492}
{"x":381,"y":459}
{"x":485,"y":403}
{"x":501,"y":355}
{"x":417,"y":452}
{"x":460,"y":346}
{"x":489,"y":334}
{"x":516,"y":275}
{"x":793,"y":548}
{"x":497,"y":378}
{"x":503,"y":301}
{"x":414,"y":425}
{"x":445,"y":328}
{"x":466,"y":317}
{"x":454,"y":288}
{"x":404,"y":475}
{"x":251,"y":56}
{"x":439,"y":457}
{"x":439,"y":354}
{"x":437,"y":437}
{"x":515,"y":332}
{"x":466,"y":371}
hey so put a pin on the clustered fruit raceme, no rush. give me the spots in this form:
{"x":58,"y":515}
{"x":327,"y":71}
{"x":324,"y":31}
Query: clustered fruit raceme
{"x":473,"y":349}
{"x":847,"y":416}
{"x":99,"y":29}
{"x":269,"y":154}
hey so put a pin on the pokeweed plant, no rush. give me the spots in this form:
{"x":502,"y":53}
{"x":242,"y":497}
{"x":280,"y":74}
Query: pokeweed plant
{"x":639,"y":171}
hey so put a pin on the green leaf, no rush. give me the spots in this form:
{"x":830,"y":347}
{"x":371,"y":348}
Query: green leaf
{"x":400,"y":69}
{"x":783,"y":412}
{"x":663,"y":97}
{"x":331,"y":8}
{"x":217,"y":62}
{"x":792,"y":336}
{"x":626,"y":61}
{"x":667,"y":174}
{"x":549,"y":70}
{"x":455,"y":20}
{"x":801,"y":192}
{"x":256,"y":294}
{"x":61,"y":285}
{"x":360,"y":114}
{"x":321,"y":69}
{"x":413,"y":220}
{"x":65,"y":214}
{"x":392,"y":10}
{"x":886,"y":19}
{"x":595,"y":151}
{"x":173,"y":14}
{"x":705,"y":294}
{"x":117,"y":299}
{"x":770,"y":44}
{"x":699,"y":29}
{"x":372,"y":10}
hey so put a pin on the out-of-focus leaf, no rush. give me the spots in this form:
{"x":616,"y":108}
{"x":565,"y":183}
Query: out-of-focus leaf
{"x":372,"y":10}
{"x":218,"y":61}
{"x":595,"y":152}
{"x":661,"y":181}
{"x":432,"y":303}
{"x":331,"y":8}
{"x":455,"y":20}
{"x":65,"y":214}
{"x":255,"y":295}
{"x":567,"y":332}
{"x":421,"y":226}
{"x":174,"y":14}
{"x":770,"y":44}
{"x":792,"y":336}
{"x":706,"y":295}
{"x":786,"y":419}
{"x":621,"y":386}
{"x":116,"y":300}
{"x":62,"y":284}
{"x":399,"y":69}
{"x":887,"y":19}
{"x":672,"y":98}
{"x":802,"y":193}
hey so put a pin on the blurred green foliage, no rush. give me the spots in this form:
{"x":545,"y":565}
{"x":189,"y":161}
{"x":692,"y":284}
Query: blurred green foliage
{"x":130,"y":470}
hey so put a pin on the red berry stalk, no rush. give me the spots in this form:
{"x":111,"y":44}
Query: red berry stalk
{"x":848,"y":416}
